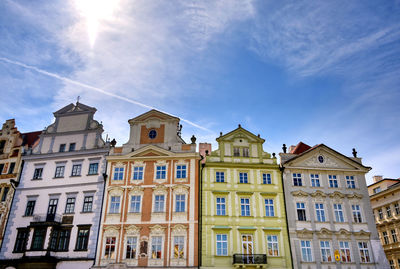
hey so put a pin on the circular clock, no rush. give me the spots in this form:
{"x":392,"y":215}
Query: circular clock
{"x":321,"y":158}
{"x":152,"y":134}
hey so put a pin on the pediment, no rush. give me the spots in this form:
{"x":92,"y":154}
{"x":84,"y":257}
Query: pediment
{"x":324,"y":233}
{"x":153,"y":115}
{"x":150,"y":151}
{"x":74,"y":109}
{"x":299,"y":193}
{"x":241,"y":133}
{"x":318,"y":193}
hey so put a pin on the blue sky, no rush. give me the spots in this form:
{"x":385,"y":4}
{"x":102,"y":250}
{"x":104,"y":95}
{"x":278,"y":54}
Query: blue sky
{"x":312,"y":71}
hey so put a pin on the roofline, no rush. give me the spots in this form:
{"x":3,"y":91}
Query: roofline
{"x":384,"y":191}
{"x":238,"y":128}
{"x":166,"y":114}
{"x":392,"y":179}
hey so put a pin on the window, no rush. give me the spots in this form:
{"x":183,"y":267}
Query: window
{"x":62,"y":148}
{"x":333,"y":183}
{"x":70,"y":205}
{"x":109,"y":251}
{"x":272,"y":245}
{"x":93,"y":168}
{"x":356,"y":213}
{"x":301,"y":212}
{"x":306,"y":251}
{"x":72,"y":147}
{"x":385,"y":238}
{"x":179,"y":245}
{"x":269,"y":208}
{"x":59,"y":171}
{"x":351,"y":184}
{"x":267,"y":179}
{"x":377,"y":189}
{"x":11,"y":168}
{"x":243,"y":178}
{"x":159,"y":203}
{"x":39,"y":235}
{"x":118,"y":173}
{"x":21,"y":240}
{"x":315,"y":180}
{"x":220,"y":177}
{"x":222,"y":244}
{"x":161,"y":172}
{"x":135,"y":204}
{"x":87,"y":204}
{"x":30,"y":207}
{"x":114,"y":205}
{"x":345,"y":251}
{"x":131,"y":245}
{"x":138,"y":173}
{"x":394,"y":235}
{"x":246,"y":152}
{"x":76,"y":170}
{"x":156,"y":245}
{"x":82,"y":238}
{"x":5,"y":192}
{"x":391,"y":263}
{"x":320,"y":212}
{"x":338,"y":212}
{"x":38,"y":173}
{"x":236,"y":152}
{"x":388,"y":212}
{"x":2,"y":144}
{"x":60,"y":240}
{"x":180,"y":203}
{"x":221,"y":206}
{"x":325,"y":251}
{"x":245,"y":206}
{"x":380,"y":213}
{"x":396,"y":208}
{"x":297,"y":180}
{"x":181,"y":171}
{"x":1,"y":167}
{"x":364,"y":253}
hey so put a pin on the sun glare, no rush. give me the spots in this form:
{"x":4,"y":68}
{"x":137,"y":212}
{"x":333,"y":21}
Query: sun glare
{"x":94,"y":11}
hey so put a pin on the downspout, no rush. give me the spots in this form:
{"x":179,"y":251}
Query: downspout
{"x":201,"y":167}
{"x":282,"y":168}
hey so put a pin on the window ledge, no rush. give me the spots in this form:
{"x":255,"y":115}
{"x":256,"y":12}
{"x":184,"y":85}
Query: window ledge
{"x":80,"y":250}
{"x":93,"y":174}
{"x":75,"y":175}
{"x":224,"y":182}
{"x":85,"y":212}
{"x":57,"y":177}
{"x":37,"y":178}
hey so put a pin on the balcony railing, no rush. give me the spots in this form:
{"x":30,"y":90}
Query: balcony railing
{"x":249,"y":259}
{"x":46,"y":218}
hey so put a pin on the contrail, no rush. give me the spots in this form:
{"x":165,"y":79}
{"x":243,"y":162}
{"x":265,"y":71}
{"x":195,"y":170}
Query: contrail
{"x":68,"y":80}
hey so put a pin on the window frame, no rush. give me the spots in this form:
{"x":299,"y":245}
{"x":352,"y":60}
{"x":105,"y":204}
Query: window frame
{"x":76,"y":170}
{"x":303,"y":211}
{"x":222,"y":241}
{"x":339,"y":213}
{"x":157,"y":246}
{"x":113,"y":204}
{"x":297,"y":179}
{"x":345,"y":251}
{"x":60,"y":170}
{"x":156,"y":205}
{"x":268,"y":204}
{"x":87,"y":203}
{"x":130,"y":246}
{"x":30,"y":207}
{"x":245,"y":208}
{"x":326,"y":251}
{"x":306,"y":251}
{"x":243,"y":177}
{"x":320,"y":212}
{"x":21,"y":241}
{"x":220,"y":204}
{"x":161,"y":172}
{"x":37,"y":173}
{"x":180,"y":205}
{"x":112,"y":245}
{"x":350,"y":182}
{"x":220,"y":176}
{"x":333,"y":181}
{"x":138,"y":173}
{"x":90,"y":169}
{"x":273,"y":245}
{"x":356,"y":212}
{"x":135,"y":203}
{"x":181,"y":171}
{"x":70,"y":205}
{"x":267,"y":178}
{"x":82,"y":241}
{"x":315,"y":181}
{"x":118,"y":173}
{"x":364,"y":252}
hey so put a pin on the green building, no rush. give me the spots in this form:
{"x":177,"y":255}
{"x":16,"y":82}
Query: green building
{"x":243,"y":221}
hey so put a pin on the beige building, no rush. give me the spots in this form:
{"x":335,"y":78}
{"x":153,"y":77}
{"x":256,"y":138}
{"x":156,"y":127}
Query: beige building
{"x":385,"y":202}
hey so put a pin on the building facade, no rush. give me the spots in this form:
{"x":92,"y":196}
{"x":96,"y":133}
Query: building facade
{"x":150,"y":210}
{"x":385,"y":201}
{"x":55,"y":214}
{"x":329,"y":214}
{"x":243,"y":221}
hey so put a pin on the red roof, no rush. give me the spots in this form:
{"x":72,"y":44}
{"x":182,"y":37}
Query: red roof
{"x":300,"y":148}
{"x":30,"y":138}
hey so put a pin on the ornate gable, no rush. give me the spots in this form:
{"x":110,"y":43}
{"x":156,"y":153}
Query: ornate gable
{"x":149,"y":151}
{"x":240,"y":133}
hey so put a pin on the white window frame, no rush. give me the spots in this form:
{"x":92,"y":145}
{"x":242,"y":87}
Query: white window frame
{"x":356,"y":212}
{"x":224,"y":242}
{"x":350,"y":182}
{"x":269,"y":205}
{"x":244,"y":176}
{"x":308,"y":257}
{"x":220,"y":175}
{"x":301,"y":206}
{"x":179,"y":168}
{"x":111,"y":203}
{"x":131,"y":200}
{"x":320,"y":212}
{"x":174,"y":237}
{"x":154,"y":203}
{"x":326,"y":251}
{"x":274,"y":245}
{"x":140,"y":174}
{"x":245,"y":205}
{"x":161,"y":249}
{"x":345,"y":246}
{"x":332,"y":179}
{"x":176,"y":202}
{"x":221,"y":204}
{"x":297,"y":177}
{"x":266,"y":178}
{"x":364,"y":250}
{"x":114,"y":172}
{"x":136,"y":247}
{"x":314,"y":178}
{"x":156,"y":172}
{"x":339,"y":213}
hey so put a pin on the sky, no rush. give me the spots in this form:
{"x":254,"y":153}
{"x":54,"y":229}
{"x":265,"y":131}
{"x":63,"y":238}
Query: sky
{"x":312,"y":71}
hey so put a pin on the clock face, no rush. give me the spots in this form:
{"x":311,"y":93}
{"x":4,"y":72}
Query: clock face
{"x":321,"y":158}
{"x":152,"y":134}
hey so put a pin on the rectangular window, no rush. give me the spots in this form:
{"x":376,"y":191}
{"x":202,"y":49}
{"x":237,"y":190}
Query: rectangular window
{"x":11,"y":168}
{"x":118,"y":173}
{"x":269,"y":208}
{"x":161,"y":172}
{"x":380,"y":213}
{"x":5,"y":192}
{"x":297,"y":180}
{"x":391,"y":263}
{"x":70,"y":205}
{"x":93,"y":168}
{"x":222,"y":244}
{"x":394,"y":235}
{"x":345,"y":251}
{"x":82,"y":238}
{"x":21,"y":240}
{"x":181,"y":171}
{"x":87,"y":204}
{"x":246,"y":152}
{"x":364,"y":252}
{"x":243,"y":178}
{"x":315,"y":180}
{"x":301,"y":211}
{"x":396,"y":208}
{"x":333,"y":183}
{"x":159,"y":203}
{"x":1,"y":167}
{"x":72,"y":147}
{"x":30,"y":207}
{"x":337,"y":208}
{"x":156,"y":247}
{"x":63,"y":240}
{"x":236,"y":152}
{"x":76,"y":170}
{"x":320,"y":212}
{"x":306,"y":251}
{"x":388,"y":212}
{"x":131,"y":245}
{"x":135,"y":204}
{"x":385,"y":238}
{"x":272,"y":245}
{"x":114,"y":205}
{"x":62,"y":148}
{"x":245,"y":206}
{"x":267,"y":179}
{"x":38,"y":173}
{"x":180,"y":203}
{"x":356,"y":213}
{"x":377,"y":189}
{"x":59,"y":171}
{"x":39,"y":235}
{"x":138,"y":173}
{"x":109,"y":251}
{"x":179,"y":245}
{"x":220,"y":177}
{"x":220,"y":206}
{"x":350,"y":182}
{"x":325,"y":251}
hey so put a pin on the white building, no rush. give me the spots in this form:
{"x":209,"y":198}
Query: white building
{"x":56,"y":209}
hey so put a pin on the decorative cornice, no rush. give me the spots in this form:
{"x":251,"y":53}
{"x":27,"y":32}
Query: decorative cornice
{"x":337,"y":194}
{"x":318,"y":193}
{"x":299,"y":193}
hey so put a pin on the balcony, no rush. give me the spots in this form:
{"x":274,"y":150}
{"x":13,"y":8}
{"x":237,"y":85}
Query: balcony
{"x":46,"y":218}
{"x":239,"y":259}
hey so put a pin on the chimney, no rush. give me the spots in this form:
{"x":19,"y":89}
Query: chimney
{"x":203,"y":148}
{"x":377,"y":178}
